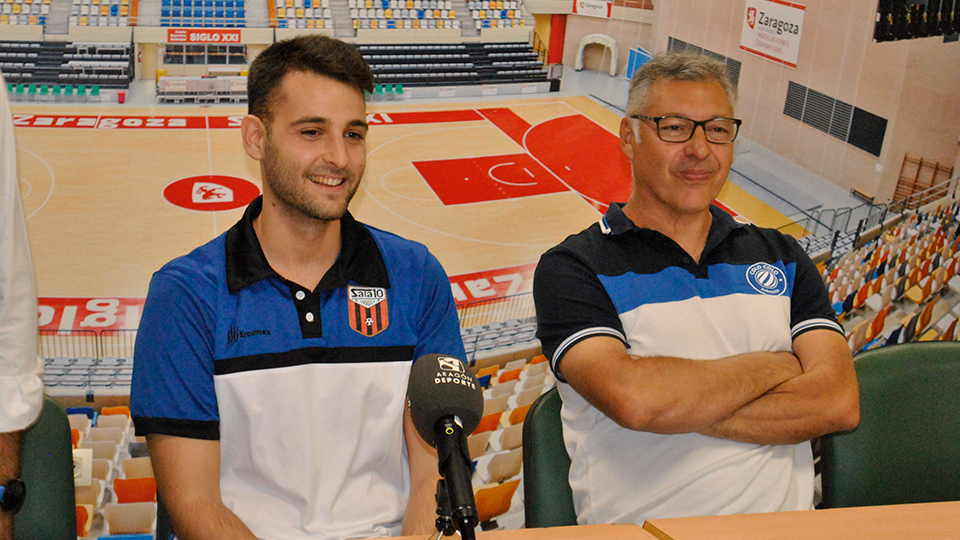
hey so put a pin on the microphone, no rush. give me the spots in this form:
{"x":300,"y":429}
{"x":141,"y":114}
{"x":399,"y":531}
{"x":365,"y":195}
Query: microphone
{"x":446,"y":404}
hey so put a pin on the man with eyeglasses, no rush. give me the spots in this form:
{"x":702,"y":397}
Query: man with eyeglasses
{"x":696,"y":356}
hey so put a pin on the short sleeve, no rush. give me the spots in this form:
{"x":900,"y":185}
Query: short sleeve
{"x":571,"y":305}
{"x":809,"y":303}
{"x":173,"y":392}
{"x":438,"y":327}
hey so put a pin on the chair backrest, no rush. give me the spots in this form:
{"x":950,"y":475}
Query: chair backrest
{"x":907,"y":446}
{"x":547,"y":498}
{"x":46,"y":466}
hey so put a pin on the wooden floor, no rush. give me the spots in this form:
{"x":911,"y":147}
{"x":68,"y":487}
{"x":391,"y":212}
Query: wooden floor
{"x":486,"y":186}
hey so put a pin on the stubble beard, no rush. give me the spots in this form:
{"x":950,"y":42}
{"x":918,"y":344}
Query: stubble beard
{"x":286,"y":183}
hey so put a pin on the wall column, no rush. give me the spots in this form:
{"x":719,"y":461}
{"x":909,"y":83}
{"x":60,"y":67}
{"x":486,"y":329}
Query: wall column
{"x":558,"y":30}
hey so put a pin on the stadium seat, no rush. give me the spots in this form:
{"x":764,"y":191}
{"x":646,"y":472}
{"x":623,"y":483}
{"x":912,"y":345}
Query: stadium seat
{"x":548,"y":500}
{"x":907,"y":446}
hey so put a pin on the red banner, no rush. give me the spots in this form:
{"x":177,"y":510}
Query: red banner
{"x":189,"y":35}
{"x":490,"y":284}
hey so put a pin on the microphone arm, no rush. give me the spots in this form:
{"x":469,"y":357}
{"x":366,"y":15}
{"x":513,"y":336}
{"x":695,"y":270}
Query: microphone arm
{"x":454,"y":465}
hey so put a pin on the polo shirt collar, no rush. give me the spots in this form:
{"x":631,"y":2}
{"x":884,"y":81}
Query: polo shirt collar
{"x":615,"y":222}
{"x":359,"y":260}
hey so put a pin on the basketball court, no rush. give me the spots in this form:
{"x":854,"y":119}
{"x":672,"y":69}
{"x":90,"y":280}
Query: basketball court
{"x":112,"y":194}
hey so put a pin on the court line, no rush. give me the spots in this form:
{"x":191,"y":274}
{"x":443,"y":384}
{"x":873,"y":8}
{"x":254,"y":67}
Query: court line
{"x":421,"y":225}
{"x":53,"y":180}
{"x":384,"y":186}
{"x":495,"y":179}
{"x":29,"y":187}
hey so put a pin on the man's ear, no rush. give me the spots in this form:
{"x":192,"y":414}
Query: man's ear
{"x":254,"y":134}
{"x":629,"y":135}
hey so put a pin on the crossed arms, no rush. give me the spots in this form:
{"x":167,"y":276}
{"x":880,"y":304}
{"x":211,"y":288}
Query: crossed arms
{"x":762,"y":397}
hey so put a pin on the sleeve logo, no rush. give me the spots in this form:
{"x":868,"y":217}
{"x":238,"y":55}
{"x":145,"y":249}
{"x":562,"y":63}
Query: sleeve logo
{"x":367,"y":307}
{"x":767,"y":279}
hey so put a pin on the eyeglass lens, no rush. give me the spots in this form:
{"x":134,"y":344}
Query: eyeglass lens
{"x":676,"y":129}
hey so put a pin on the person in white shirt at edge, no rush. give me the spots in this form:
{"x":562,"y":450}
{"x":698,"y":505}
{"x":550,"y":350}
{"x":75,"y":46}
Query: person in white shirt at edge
{"x":696,"y":356}
{"x":21,"y":385}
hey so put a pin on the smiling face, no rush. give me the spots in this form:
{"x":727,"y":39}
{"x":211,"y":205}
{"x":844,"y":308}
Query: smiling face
{"x":674,"y":180}
{"x":313,"y":152}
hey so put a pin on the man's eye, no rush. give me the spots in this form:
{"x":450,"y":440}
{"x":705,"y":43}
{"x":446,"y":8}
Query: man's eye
{"x":355,"y":135}
{"x":311,"y":132}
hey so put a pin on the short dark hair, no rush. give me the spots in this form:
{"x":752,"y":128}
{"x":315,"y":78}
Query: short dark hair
{"x":316,"y":54}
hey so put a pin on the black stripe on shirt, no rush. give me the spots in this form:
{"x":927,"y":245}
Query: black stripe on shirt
{"x":314,"y":355}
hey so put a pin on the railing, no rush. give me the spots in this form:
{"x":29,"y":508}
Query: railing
{"x":483,"y":312}
{"x":86,"y":343}
{"x":541,"y":48}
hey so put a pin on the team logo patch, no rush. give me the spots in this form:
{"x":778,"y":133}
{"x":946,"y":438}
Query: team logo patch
{"x":767,"y":279}
{"x":368,"y":309}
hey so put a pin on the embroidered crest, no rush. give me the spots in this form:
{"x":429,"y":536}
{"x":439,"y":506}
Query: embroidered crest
{"x":767,"y":279}
{"x":368,"y":309}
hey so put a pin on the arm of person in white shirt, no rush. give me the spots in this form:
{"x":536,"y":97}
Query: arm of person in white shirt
{"x":666,"y":394}
{"x":421,"y":513}
{"x":188,"y":473}
{"x":826,"y":398}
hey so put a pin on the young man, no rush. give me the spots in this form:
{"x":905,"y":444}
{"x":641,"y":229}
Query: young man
{"x":21,"y":386}
{"x":697,"y":356}
{"x":272,"y":363}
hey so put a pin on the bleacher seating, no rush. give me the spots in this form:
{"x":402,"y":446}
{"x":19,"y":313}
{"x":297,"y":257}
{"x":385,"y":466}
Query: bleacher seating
{"x":896,"y":288}
{"x":24,"y":12}
{"x":303,"y":14}
{"x":56,"y":70}
{"x":203,"y":13}
{"x":100,"y":13}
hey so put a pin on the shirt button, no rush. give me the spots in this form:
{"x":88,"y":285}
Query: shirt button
{"x":301,"y":295}
{"x":309,"y":317}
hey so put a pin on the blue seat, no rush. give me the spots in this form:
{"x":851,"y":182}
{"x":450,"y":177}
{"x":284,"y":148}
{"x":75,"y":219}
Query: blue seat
{"x":176,"y":12}
{"x":241,"y":24}
{"x":198,"y":12}
{"x":230,"y":13}
{"x":385,"y":4}
{"x":208,"y":3}
{"x":88,"y":411}
{"x":208,"y":23}
{"x":239,"y":3}
{"x":240,"y":12}
{"x":391,"y":23}
{"x":164,"y":22}
{"x":282,"y":23}
{"x":165,"y":11}
{"x":307,"y":4}
{"x":208,"y":13}
{"x":420,"y":13}
{"x":165,"y":3}
{"x":219,"y":13}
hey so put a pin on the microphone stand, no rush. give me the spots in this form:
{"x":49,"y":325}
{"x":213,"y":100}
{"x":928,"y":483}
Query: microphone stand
{"x":453,"y":462}
{"x":444,"y":521}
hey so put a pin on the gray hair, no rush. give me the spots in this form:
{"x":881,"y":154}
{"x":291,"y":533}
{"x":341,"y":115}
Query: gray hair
{"x":678,"y":66}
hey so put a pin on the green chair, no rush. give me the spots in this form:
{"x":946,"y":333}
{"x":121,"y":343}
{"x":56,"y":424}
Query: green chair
{"x":547,"y":498}
{"x":94,"y":90}
{"x":32,"y":90}
{"x":46,"y":466}
{"x":19,"y":89}
{"x":907,"y":446}
{"x":81,"y":90}
{"x":398,"y":88}
{"x":57,"y":90}
{"x":44,"y":90}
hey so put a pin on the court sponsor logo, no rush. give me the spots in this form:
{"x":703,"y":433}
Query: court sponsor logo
{"x":184,"y":35}
{"x":211,"y":193}
{"x":109,"y":122}
{"x":235,"y":334}
{"x":64,"y":316}
{"x":492,"y":284}
{"x":367,"y":309}
{"x":767,"y":279}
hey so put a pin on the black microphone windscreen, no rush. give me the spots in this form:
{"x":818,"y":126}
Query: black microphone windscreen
{"x":443,"y":386}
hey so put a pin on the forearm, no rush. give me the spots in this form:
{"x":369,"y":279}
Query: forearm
{"x":421,"y":512}
{"x":207,"y":520}
{"x":671,"y":395}
{"x":9,"y":468}
{"x":824,"y":399}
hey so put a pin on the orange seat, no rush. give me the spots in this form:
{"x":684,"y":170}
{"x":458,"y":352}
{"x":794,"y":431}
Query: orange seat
{"x":119,"y":409}
{"x":75,"y":437}
{"x":84,"y":519}
{"x":495,"y":501}
{"x":489,"y":422}
{"x":537,"y":359}
{"x":519,"y":414}
{"x":511,"y":375}
{"x":131,"y":490}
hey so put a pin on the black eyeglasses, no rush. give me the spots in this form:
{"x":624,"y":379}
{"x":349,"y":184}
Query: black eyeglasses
{"x":677,"y":129}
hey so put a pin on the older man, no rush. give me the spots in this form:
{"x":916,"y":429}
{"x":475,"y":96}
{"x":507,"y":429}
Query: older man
{"x":697,"y":356}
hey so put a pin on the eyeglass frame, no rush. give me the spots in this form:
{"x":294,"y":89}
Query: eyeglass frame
{"x":696,"y":123}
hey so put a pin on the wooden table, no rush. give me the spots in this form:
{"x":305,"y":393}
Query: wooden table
{"x":928,"y":521}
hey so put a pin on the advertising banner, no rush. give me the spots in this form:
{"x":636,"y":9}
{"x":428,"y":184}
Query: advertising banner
{"x":772,"y":30}
{"x":592,"y":8}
